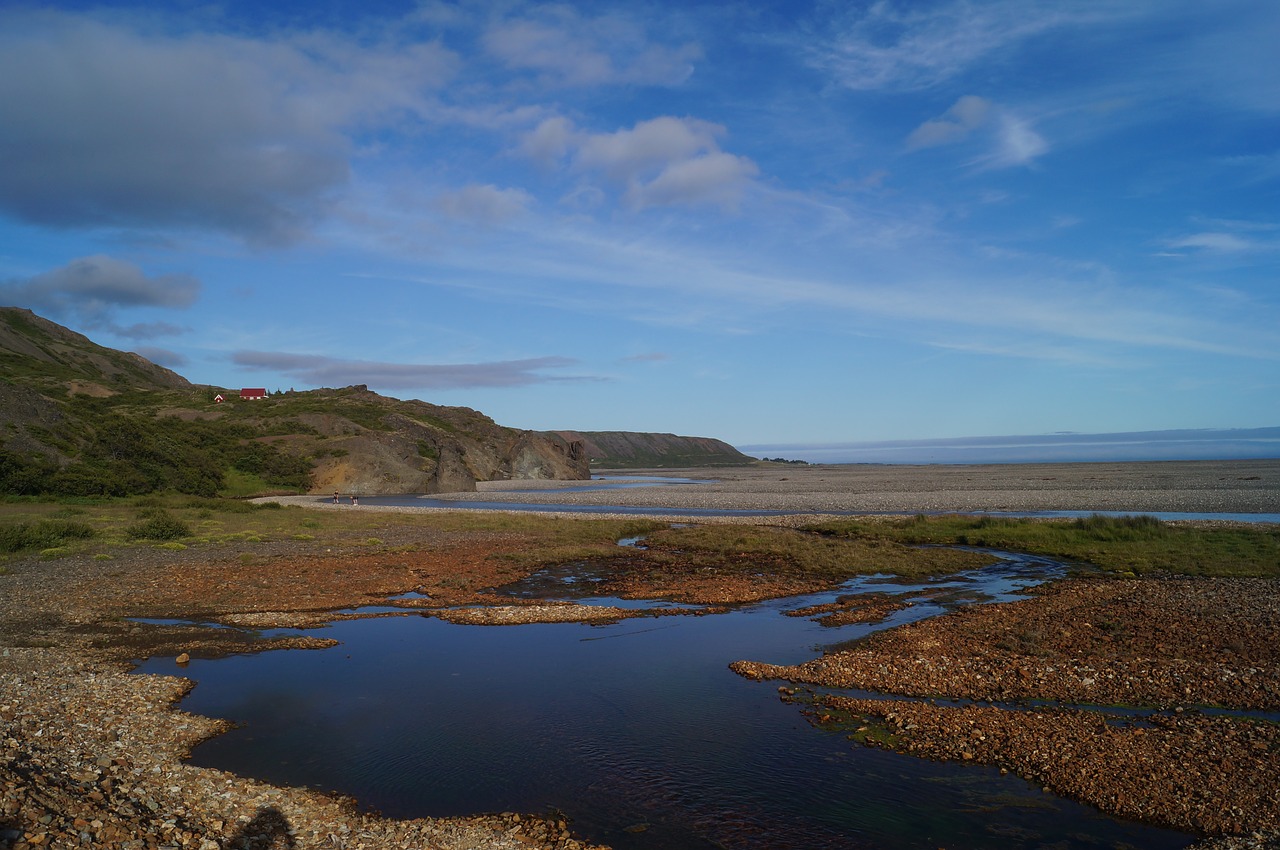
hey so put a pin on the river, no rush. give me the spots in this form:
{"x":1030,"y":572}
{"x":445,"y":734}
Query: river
{"x":637,"y":732}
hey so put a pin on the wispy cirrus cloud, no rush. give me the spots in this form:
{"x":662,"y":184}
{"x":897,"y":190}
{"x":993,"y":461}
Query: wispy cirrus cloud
{"x":1226,"y":236}
{"x":333,"y":372}
{"x":903,"y":46}
{"x":1220,"y":242}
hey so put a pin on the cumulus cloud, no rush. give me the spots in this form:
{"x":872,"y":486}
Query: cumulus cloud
{"x":563,"y":47}
{"x":93,"y":288}
{"x":664,"y":161}
{"x":111,"y":125}
{"x":484,"y":204}
{"x":550,"y":141}
{"x":331,"y":372}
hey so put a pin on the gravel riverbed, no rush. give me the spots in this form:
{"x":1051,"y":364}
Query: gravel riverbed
{"x":91,"y":756}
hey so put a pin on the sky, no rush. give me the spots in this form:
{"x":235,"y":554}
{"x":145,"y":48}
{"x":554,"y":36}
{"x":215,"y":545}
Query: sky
{"x":764,"y":222}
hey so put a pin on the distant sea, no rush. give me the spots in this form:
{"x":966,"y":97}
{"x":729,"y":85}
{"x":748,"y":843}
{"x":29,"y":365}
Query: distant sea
{"x":1202,"y":444}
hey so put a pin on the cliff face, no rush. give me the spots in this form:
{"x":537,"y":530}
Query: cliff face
{"x":79,"y":418}
{"x":384,"y":445}
{"x":636,"y":450}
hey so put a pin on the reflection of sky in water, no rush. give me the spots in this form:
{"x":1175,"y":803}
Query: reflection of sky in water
{"x":638,"y":722}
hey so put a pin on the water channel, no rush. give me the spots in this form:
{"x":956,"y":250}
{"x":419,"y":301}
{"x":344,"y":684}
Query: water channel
{"x":637,"y":732}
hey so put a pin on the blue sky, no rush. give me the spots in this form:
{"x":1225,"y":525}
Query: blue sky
{"x":788,"y":222}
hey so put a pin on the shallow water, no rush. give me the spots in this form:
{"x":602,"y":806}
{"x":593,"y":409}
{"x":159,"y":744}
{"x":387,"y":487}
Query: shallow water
{"x":637,"y":731}
{"x":413,"y":501}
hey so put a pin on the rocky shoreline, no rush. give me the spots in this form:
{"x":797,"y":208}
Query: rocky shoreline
{"x":92,"y":756}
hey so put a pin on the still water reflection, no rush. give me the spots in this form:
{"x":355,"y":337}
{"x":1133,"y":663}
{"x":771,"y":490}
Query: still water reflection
{"x":636,"y":731}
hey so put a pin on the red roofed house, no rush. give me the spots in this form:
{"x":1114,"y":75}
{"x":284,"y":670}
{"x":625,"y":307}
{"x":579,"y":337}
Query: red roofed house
{"x":253,"y":393}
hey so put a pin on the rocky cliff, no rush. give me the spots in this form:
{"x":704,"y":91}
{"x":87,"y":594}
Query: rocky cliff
{"x":635,"y":450}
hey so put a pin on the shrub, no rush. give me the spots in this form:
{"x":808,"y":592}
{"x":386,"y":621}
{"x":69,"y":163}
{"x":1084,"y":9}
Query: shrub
{"x":158,"y":525}
{"x":44,"y":534}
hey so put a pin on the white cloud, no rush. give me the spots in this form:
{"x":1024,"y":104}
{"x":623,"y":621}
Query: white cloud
{"x":565,"y":48}
{"x":966,"y":114}
{"x":664,"y":161}
{"x":1218,"y":242}
{"x":550,"y":141}
{"x":626,"y":154}
{"x":1019,"y":144}
{"x":1011,"y":139}
{"x":485,"y":204}
{"x":716,"y":178}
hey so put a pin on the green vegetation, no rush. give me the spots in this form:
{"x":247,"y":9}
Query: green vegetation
{"x":833,"y":550}
{"x":786,"y":551}
{"x":124,"y":453}
{"x":198,"y":521}
{"x":158,"y":524}
{"x":42,"y":534}
{"x":1139,"y":544}
{"x":363,"y":412}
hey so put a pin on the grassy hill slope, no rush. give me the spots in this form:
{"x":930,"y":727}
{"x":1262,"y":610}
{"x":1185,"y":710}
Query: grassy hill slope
{"x":77,"y":418}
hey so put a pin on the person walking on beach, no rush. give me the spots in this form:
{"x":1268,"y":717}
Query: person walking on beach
{"x":355,"y":500}
{"x":335,"y":497}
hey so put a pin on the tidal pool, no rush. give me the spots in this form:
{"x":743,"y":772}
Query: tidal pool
{"x":637,"y":732}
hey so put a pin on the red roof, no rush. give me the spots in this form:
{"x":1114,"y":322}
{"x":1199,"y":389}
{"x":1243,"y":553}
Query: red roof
{"x":253,"y":392}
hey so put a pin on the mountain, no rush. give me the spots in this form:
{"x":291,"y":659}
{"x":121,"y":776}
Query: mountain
{"x":77,"y":418}
{"x":639,"y":450}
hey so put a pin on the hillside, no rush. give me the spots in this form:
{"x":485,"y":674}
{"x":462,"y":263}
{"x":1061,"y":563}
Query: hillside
{"x":77,"y":418}
{"x":639,"y":450}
